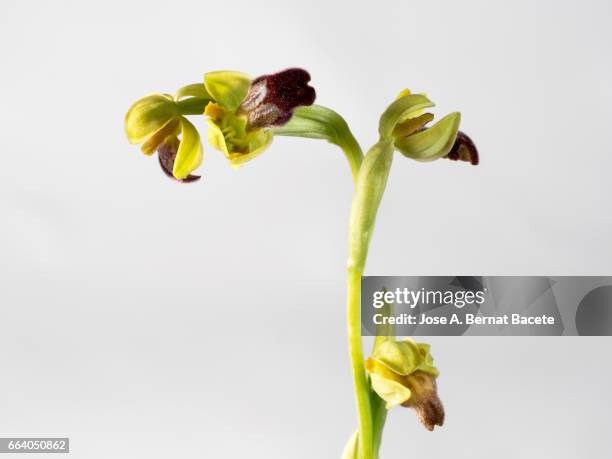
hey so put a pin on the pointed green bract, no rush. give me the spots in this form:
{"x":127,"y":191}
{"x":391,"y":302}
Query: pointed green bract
{"x":189,"y":155}
{"x":385,"y":331}
{"x":371,"y":183}
{"x":351,"y":450}
{"x":433,"y":143}
{"x":227,"y":88}
{"x":400,"y":110}
{"x":148,"y":115}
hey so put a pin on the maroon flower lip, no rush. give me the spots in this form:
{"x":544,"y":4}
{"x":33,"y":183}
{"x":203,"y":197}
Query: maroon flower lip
{"x":464,"y":149}
{"x":166,"y":154}
{"x":272,"y":98}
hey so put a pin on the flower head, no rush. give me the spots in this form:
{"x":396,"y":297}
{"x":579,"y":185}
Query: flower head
{"x":402,"y":373}
{"x":240,"y":117}
{"x":407,"y":123}
{"x":155,"y":122}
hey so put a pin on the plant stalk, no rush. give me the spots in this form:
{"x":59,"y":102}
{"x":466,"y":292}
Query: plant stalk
{"x":360,"y":381}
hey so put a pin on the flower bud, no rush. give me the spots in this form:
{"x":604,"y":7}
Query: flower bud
{"x":402,"y":373}
{"x":406,"y":123}
{"x":155,"y":122}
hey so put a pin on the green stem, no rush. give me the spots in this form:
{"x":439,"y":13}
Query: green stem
{"x":354,"y":155}
{"x":360,"y":381}
{"x":192,"y":105}
{"x":369,"y":190}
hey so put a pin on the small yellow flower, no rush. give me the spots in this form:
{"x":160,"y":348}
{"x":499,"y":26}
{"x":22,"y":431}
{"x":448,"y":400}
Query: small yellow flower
{"x":406,"y":122}
{"x":155,"y":122}
{"x":242,"y":112}
{"x":403,"y":373}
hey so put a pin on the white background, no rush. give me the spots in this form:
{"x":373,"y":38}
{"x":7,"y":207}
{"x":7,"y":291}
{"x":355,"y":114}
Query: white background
{"x":147,"y":319}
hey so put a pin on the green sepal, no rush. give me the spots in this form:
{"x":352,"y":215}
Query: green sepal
{"x":318,"y":122}
{"x":399,"y":111}
{"x":433,"y":143}
{"x":189,"y":155}
{"x":147,"y":115}
{"x":401,"y":357}
{"x":390,"y":391}
{"x":371,"y":183}
{"x":193,"y":90}
{"x":227,"y":88}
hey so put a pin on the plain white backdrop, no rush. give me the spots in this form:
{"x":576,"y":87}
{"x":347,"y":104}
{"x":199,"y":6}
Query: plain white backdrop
{"x":147,"y":319}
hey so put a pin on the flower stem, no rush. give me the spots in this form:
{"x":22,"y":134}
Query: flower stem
{"x":360,"y":381}
{"x":192,"y":105}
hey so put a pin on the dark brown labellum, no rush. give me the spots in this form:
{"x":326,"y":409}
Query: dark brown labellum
{"x":272,"y":98}
{"x":464,"y":150}
{"x":424,"y":399}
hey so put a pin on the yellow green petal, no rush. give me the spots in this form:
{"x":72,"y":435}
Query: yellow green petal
{"x":147,"y":115}
{"x":189,"y":155}
{"x":412,"y":125}
{"x":432,"y":143}
{"x":401,"y":357}
{"x":399,"y":110}
{"x":155,"y":140}
{"x":192,"y":90}
{"x":228,"y":88}
{"x":216,"y":139}
{"x":390,"y":391}
{"x":257,"y":146}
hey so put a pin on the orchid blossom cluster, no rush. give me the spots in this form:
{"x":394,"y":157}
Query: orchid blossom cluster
{"x":243,"y":116}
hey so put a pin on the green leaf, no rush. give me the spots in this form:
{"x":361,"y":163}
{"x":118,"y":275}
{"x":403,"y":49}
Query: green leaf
{"x":371,"y":183}
{"x":189,"y":155}
{"x":318,"y":122}
{"x":433,"y":143}
{"x":228,"y":88}
{"x":400,"y":110}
